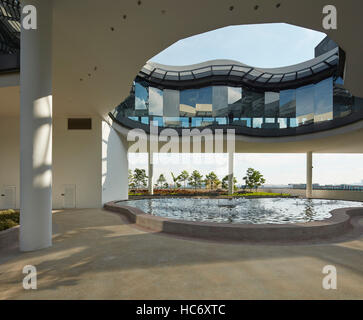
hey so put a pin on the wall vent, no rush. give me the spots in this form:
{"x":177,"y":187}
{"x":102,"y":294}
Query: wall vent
{"x":79,"y":124}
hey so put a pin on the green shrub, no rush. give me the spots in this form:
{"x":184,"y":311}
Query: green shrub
{"x":9,"y":219}
{"x":262,"y":194}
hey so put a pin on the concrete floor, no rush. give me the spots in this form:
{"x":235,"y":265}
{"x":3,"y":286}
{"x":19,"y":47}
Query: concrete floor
{"x":96,"y":255}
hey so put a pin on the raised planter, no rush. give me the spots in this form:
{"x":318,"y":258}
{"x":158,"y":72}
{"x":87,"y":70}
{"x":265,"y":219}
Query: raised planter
{"x":336,"y":225}
{"x":9,"y":237}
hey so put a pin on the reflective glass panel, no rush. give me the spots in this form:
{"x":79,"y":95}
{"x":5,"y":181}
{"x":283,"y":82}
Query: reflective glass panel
{"x":282,"y":122}
{"x":246,"y":122}
{"x":203,"y":105}
{"x":288,"y":106}
{"x":252,"y":104}
{"x":141,"y":97}
{"x":171,"y":101}
{"x":305,"y":105}
{"x":221,"y":121}
{"x":324,"y":100}
{"x":197,"y":122}
{"x":155,"y":102}
{"x":188,"y":100}
{"x":235,"y":101}
{"x":220,"y":101}
{"x":343,"y":102}
{"x":272,"y":103}
{"x":257,"y":122}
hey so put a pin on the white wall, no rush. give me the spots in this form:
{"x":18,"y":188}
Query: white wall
{"x":77,"y":160}
{"x":79,"y":157}
{"x":9,"y":156}
{"x":114,"y":165}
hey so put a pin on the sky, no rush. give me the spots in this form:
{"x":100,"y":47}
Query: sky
{"x":265,"y":46}
{"x":278,"y":169}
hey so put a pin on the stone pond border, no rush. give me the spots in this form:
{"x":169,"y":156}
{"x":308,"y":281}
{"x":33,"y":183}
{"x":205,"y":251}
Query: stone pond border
{"x":338,"y":224}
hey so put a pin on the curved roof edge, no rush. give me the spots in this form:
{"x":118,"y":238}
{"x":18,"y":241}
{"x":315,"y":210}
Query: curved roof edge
{"x":236,"y":73}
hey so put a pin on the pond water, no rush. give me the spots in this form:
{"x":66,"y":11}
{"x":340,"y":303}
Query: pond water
{"x":241,"y":210}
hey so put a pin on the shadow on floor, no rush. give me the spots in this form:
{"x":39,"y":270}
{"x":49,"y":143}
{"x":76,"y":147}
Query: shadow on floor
{"x":110,"y":244}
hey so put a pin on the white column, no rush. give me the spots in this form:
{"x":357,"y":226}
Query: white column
{"x":115,"y":165}
{"x":230,"y":173}
{"x":36,"y":131}
{"x":150,"y":173}
{"x":309,"y":175}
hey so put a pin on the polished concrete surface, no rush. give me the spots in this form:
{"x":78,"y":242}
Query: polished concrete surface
{"x":96,"y":255}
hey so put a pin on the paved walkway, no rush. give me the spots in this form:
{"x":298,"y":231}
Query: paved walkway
{"x":95,"y":255}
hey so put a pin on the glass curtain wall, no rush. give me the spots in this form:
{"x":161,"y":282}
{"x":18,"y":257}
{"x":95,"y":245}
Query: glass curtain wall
{"x":237,"y":106}
{"x":323,"y":99}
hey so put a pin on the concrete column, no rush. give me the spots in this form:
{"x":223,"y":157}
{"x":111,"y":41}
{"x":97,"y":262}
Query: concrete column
{"x":150,"y":173}
{"x":309,"y":175}
{"x":230,"y":173}
{"x":115,"y":165}
{"x":36,"y":131}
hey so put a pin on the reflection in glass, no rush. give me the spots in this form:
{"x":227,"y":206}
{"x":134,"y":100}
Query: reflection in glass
{"x":220,"y":101}
{"x":288,"y":106}
{"x":234,"y":101}
{"x":343,"y":102}
{"x":141,"y":97}
{"x":145,"y":120}
{"x":246,"y":122}
{"x":323,"y":100}
{"x":197,"y":122}
{"x":272,"y":103}
{"x":172,"y":122}
{"x":257,"y":122}
{"x":171,"y":102}
{"x":188,"y":100}
{"x":292,"y":123}
{"x":155,"y":102}
{"x":207,"y":122}
{"x":243,"y":107}
{"x":305,"y":105}
{"x":221,"y":121}
{"x":288,"y":103}
{"x":159,"y":121}
{"x":203,"y":105}
{"x":270,"y":123}
{"x":252,"y":104}
{"x":282,"y":123}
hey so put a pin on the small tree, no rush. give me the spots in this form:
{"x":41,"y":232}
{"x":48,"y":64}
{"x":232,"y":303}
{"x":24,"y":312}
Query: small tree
{"x":140,"y":178}
{"x":161,"y":181}
{"x":212,"y":180}
{"x":176,"y":181}
{"x":131,"y":180}
{"x":183,"y":177}
{"x":225,"y":182}
{"x":253,"y":179}
{"x":196,"y":179}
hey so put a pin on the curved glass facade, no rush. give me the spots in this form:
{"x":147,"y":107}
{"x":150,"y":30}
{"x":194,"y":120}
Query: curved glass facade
{"x":238,"y":106}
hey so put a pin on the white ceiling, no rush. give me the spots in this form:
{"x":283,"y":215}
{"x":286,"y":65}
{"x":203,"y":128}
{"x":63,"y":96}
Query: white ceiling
{"x":85,"y":47}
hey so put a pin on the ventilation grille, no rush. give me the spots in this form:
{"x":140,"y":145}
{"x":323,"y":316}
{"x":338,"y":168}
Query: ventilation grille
{"x":79,"y":124}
